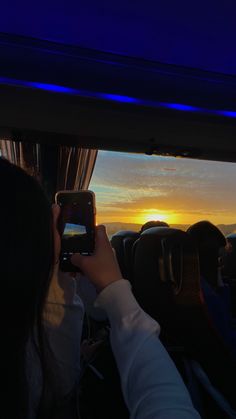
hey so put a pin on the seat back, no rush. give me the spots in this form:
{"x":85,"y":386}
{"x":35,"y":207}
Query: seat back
{"x":167,"y":285}
{"x":152,"y":276}
{"x":209,"y":240}
{"x":117,"y":242}
{"x":128,"y":244}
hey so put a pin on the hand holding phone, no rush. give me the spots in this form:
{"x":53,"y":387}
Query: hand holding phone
{"x":102,"y":267}
{"x":76,"y":225}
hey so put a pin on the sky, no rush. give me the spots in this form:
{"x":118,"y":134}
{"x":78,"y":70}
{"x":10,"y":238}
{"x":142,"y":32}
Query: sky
{"x":135,"y":188}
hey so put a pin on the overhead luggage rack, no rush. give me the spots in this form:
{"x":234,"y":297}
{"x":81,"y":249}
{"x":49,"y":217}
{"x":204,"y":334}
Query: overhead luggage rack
{"x":58,"y":93}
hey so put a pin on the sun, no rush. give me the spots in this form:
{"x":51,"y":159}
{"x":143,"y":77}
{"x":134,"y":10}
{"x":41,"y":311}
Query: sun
{"x":155,"y":215}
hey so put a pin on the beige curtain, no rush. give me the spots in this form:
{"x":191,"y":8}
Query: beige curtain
{"x":56,"y":167}
{"x":25,"y":155}
{"x":75,"y":167}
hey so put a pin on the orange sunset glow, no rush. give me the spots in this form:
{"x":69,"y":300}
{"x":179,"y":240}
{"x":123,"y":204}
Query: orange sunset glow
{"x":135,"y":188}
{"x":153,"y":214}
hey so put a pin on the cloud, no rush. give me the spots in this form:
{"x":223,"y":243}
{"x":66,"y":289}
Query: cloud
{"x":154,"y":171}
{"x":134,"y":182}
{"x":170,"y":202}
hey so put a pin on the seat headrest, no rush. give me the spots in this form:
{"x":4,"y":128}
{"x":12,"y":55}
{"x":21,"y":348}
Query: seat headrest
{"x":231,"y":238}
{"x":161,"y":258}
{"x":125,"y":233}
{"x":159,"y":231}
{"x":151,"y":224}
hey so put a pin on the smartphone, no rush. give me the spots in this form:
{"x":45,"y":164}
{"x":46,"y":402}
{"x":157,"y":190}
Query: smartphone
{"x":76,"y":225}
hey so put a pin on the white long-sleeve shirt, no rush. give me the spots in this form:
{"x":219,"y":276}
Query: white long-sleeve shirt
{"x":151,"y":384}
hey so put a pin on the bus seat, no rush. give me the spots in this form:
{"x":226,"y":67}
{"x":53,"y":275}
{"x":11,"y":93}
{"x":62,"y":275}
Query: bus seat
{"x":154,"y":294}
{"x":117,"y":242}
{"x":211,"y":244}
{"x":229,"y":269}
{"x":199,"y":332}
{"x":128,"y":254}
{"x":167,"y":285}
{"x":209,"y":241}
{"x":219,"y":309}
{"x":229,"y":258}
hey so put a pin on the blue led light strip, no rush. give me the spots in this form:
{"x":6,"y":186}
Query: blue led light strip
{"x":115,"y":98}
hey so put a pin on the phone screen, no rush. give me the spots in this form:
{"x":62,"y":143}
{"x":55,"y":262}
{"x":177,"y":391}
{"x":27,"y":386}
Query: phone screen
{"x":76,"y":224}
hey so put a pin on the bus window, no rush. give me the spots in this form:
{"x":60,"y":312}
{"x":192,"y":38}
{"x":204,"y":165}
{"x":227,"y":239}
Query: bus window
{"x":132,"y":189}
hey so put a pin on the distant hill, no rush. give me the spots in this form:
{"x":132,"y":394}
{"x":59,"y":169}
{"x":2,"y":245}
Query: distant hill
{"x":112,"y":228}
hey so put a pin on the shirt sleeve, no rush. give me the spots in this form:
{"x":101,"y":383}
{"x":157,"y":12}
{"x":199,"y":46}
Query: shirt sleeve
{"x":151,"y":384}
{"x":63,"y":322}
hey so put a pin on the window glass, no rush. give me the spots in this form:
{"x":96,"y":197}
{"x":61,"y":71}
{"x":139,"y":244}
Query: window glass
{"x":134,"y":188}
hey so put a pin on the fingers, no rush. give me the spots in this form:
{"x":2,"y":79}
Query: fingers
{"x":101,"y":237}
{"x":101,"y":268}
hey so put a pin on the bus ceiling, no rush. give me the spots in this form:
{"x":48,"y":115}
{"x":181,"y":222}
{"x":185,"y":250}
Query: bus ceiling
{"x":61,"y":94}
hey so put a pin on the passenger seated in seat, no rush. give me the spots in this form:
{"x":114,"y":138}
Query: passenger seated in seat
{"x":41,"y":318}
{"x":153,"y":223}
{"x":210,"y":242}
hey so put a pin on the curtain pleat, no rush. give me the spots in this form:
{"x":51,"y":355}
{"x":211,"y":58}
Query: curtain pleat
{"x":74,"y":169}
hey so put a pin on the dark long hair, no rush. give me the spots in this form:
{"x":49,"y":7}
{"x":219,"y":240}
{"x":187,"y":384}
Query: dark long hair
{"x":26,"y":258}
